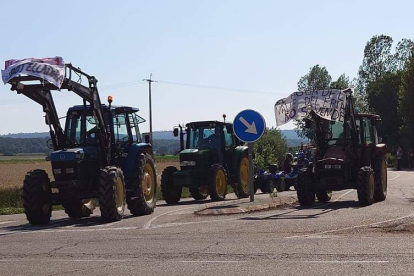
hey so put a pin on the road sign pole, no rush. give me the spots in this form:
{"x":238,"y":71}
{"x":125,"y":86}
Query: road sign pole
{"x":251,"y":169}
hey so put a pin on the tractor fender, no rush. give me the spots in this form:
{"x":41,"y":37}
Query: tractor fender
{"x":133,"y":152}
{"x":238,"y":152}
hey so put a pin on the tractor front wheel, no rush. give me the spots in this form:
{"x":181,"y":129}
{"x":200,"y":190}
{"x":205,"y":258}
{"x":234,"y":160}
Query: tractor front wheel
{"x":199,"y":193}
{"x":242,"y":187}
{"x":323,"y":195}
{"x":111,"y":194}
{"x":268,"y":187}
{"x":217,"y":183}
{"x":141,"y":195}
{"x":280,"y":185}
{"x":306,"y":195}
{"x":366,"y":186}
{"x":170,"y":193}
{"x":79,"y":208}
{"x":380,"y":171}
{"x":36,"y":197}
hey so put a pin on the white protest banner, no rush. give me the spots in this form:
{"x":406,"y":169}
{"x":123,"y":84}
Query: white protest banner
{"x":327,"y":104}
{"x":51,"y":70}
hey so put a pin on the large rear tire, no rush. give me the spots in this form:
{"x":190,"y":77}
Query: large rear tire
{"x":111,"y":194}
{"x":170,"y":193}
{"x":242,"y":187}
{"x":306,"y":195}
{"x":141,"y":195}
{"x":366,"y":186}
{"x":78,"y":208}
{"x":199,"y":193}
{"x":323,"y":195}
{"x":36,"y":197}
{"x":217,"y":183}
{"x":380,"y":171}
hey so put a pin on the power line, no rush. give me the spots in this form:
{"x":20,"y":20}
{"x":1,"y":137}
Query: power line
{"x":218,"y":88}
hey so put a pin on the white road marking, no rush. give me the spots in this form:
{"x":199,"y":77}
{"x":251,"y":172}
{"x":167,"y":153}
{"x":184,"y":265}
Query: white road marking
{"x":147,"y":225}
{"x":398,"y":175}
{"x":7,"y":221}
{"x":352,"y":227}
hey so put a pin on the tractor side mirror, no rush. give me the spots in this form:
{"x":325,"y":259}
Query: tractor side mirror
{"x":175,"y":131}
{"x":308,"y":123}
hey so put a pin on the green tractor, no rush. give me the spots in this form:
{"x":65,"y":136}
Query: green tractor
{"x":211,"y":159}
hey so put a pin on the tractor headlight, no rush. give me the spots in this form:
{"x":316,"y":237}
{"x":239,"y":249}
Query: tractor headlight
{"x":57,"y":171}
{"x":187,"y":163}
{"x":328,"y":166}
{"x":339,"y":166}
{"x":70,"y":170}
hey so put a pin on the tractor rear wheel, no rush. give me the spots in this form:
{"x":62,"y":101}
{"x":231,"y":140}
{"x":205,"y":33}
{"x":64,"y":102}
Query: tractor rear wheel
{"x":280,"y":185}
{"x":36,"y":197}
{"x":306,"y":195}
{"x":170,"y":193}
{"x":199,"y":193}
{"x":111,"y":194}
{"x":366,"y":186}
{"x":217,"y":183}
{"x":242,"y":187}
{"x":141,"y":197}
{"x":323,"y":195}
{"x":380,"y":172}
{"x":78,"y":208}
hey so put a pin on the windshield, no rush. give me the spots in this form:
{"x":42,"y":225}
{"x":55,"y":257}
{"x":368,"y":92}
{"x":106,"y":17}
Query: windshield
{"x":75,"y":133}
{"x":204,"y":138}
{"x":338,"y":133}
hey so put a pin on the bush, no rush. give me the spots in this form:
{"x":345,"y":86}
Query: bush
{"x":270,"y":149}
{"x":391,"y":160}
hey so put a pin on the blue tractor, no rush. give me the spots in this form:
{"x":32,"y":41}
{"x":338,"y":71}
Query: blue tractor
{"x":98,"y":156}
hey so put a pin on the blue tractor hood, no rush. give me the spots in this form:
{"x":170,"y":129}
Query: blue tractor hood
{"x":72,"y":154}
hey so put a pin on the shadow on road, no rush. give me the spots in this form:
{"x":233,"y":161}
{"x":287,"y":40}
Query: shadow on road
{"x":321,"y":209}
{"x":62,"y":223}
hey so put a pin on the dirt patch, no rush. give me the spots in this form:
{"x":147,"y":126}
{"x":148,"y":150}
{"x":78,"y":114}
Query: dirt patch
{"x":12,"y":175}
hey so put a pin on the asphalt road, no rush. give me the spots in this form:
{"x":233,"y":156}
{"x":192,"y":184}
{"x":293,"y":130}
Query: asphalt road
{"x":337,"y":238}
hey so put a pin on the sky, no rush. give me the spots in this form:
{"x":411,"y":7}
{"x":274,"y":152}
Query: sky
{"x":209,"y":57}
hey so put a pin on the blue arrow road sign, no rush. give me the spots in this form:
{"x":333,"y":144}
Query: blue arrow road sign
{"x":249,"y":125}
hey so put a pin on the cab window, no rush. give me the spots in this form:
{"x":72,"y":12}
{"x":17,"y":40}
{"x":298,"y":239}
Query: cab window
{"x":120,"y":128}
{"x":369,"y":132}
{"x":228,"y":138}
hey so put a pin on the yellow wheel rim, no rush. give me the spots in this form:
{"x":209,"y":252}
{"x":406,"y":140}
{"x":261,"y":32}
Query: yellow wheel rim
{"x":244,"y":174}
{"x":148,"y":183}
{"x":119,"y":185}
{"x":221,"y":183}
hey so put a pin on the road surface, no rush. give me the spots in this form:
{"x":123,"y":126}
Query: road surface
{"x":336,"y":238}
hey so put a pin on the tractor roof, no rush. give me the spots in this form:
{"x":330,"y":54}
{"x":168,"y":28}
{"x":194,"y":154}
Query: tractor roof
{"x":118,"y":109}
{"x":206,"y":123}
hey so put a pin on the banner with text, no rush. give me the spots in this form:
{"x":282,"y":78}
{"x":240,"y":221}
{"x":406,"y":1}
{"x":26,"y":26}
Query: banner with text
{"x":49,"y":69}
{"x":328,"y":104}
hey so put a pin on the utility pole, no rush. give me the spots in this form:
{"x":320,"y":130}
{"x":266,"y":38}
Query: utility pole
{"x":150,"y":104}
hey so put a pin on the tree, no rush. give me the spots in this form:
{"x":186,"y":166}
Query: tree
{"x":341,"y":83}
{"x":382,"y":97}
{"x":378,"y":60}
{"x":270,"y":149}
{"x":317,"y":78}
{"x":406,"y":102}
